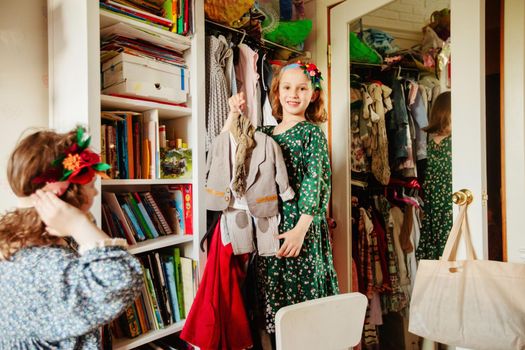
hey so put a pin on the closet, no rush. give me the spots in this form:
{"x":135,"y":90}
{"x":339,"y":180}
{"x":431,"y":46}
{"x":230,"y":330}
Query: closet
{"x":369,"y":174}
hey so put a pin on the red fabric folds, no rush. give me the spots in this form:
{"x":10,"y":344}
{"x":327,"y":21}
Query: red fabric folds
{"x":217,"y":318}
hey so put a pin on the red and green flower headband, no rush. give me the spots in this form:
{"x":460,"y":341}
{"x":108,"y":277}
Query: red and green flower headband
{"x":77,"y":165}
{"x":311,"y":71}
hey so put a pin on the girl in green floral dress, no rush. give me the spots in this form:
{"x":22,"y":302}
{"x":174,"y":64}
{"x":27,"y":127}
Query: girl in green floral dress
{"x":437,"y":187}
{"x":303,"y":268}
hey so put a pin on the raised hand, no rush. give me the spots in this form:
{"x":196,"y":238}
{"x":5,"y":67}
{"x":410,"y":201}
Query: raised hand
{"x":237,"y":103}
{"x":60,"y":218}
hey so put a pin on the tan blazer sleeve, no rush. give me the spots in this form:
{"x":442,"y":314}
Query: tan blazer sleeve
{"x":281,"y":175}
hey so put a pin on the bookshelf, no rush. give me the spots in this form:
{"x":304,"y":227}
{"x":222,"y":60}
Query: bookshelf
{"x":136,"y":182}
{"x":74,"y":29}
{"x":123,"y":344}
{"x":166,"y":111}
{"x":161,"y":242}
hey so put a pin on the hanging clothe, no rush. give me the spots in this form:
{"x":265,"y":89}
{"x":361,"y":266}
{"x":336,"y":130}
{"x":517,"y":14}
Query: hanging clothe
{"x":216,"y":88}
{"x":229,"y":68}
{"x":381,"y":104}
{"x":247,"y":82}
{"x":217,"y":319}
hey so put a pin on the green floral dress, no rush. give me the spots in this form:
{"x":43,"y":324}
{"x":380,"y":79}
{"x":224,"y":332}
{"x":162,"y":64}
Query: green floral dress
{"x":437,"y":190}
{"x":311,"y":275}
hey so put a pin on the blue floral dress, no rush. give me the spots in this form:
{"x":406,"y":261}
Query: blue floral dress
{"x":52,"y":298}
{"x":311,"y":275}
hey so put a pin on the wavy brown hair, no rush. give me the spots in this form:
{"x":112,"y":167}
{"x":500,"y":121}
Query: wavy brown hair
{"x":440,"y":119}
{"x":33,"y":156}
{"x":315,"y":113}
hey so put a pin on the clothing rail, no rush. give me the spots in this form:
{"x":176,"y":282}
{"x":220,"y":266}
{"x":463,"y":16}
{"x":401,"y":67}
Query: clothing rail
{"x":263,"y":41}
{"x":385,"y":67}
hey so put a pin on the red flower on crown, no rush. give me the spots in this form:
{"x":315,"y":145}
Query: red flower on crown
{"x":77,"y":165}
{"x":313,"y":73}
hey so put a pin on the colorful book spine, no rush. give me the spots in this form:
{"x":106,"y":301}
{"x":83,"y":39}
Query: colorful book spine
{"x":178,"y":280}
{"x":141,"y":14}
{"x":187,"y":283}
{"x":154,"y":303}
{"x":188,"y":208}
{"x":179,"y":206}
{"x":149,"y":308}
{"x":152,"y":215}
{"x":149,"y":224}
{"x":163,"y":287}
{"x":151,"y":200}
{"x":172,"y":287}
{"x":141,"y":314}
{"x":138,"y":215}
{"x":111,"y":200}
{"x":136,"y":226}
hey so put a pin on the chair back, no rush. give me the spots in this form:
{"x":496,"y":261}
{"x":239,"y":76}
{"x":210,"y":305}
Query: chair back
{"x":330,"y":323}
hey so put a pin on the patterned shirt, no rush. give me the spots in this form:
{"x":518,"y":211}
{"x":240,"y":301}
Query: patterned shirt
{"x":52,"y":298}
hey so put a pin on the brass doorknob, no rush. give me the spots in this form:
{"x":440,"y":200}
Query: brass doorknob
{"x":462,"y":196}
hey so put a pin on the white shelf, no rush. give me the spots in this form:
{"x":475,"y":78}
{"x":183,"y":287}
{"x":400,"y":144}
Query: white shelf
{"x":157,"y":243}
{"x":108,"y":18}
{"x":165,"y":111}
{"x":123,"y":344}
{"x":119,"y":182}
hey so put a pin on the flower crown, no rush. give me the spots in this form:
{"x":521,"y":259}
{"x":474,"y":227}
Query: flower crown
{"x":311,"y":72}
{"x":77,"y":165}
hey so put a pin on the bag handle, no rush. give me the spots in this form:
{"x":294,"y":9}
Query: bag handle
{"x":460,"y":229}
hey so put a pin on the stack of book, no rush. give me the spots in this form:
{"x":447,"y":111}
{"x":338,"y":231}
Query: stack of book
{"x":139,"y":216}
{"x":130,"y":144}
{"x":167,"y":294}
{"x":122,"y":37}
{"x":173,"y":15}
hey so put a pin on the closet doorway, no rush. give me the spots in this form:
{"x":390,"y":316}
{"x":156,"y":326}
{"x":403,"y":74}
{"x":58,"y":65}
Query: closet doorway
{"x":467,"y":19}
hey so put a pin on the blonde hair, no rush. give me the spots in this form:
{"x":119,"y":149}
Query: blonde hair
{"x":32,"y":157}
{"x":439,"y":119}
{"x":315,"y":113}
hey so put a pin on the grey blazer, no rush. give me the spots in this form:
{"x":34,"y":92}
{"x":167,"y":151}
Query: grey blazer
{"x":266,"y":168}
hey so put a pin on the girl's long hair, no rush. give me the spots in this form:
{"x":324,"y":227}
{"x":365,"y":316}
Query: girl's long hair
{"x":33,"y":156}
{"x":440,"y":119}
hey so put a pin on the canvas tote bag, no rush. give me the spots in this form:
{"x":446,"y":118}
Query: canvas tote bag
{"x":476,"y":304}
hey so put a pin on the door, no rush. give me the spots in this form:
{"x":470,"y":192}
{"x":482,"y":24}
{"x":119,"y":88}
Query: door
{"x":514,"y":126}
{"x":468,"y":118}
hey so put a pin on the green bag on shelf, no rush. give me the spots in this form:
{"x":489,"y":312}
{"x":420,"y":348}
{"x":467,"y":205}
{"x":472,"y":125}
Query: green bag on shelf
{"x":361,"y":52}
{"x":290,"y":33}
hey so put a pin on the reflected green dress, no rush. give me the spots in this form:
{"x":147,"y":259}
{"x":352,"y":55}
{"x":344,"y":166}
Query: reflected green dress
{"x":311,"y":275}
{"x":437,"y":188}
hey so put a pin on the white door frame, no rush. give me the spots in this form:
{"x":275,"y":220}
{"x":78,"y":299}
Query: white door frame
{"x":468,"y":119}
{"x":514,"y":126}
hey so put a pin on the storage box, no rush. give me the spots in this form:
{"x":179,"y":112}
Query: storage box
{"x":135,"y":76}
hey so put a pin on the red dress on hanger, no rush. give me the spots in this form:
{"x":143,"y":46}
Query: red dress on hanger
{"x":217,"y":318}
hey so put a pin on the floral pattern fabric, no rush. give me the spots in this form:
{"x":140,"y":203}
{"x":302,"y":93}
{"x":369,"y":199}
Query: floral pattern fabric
{"x":437,"y":188}
{"x":52,"y":298}
{"x":311,"y":275}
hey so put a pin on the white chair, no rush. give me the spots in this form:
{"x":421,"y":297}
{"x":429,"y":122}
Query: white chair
{"x":330,"y":323}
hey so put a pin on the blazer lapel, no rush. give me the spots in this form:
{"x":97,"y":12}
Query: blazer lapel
{"x":258,"y":156}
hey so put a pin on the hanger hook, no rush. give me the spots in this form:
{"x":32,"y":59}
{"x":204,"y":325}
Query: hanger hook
{"x":243,"y":36}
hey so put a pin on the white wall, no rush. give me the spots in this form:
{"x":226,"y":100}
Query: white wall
{"x":514,"y":107}
{"x":23,"y":78}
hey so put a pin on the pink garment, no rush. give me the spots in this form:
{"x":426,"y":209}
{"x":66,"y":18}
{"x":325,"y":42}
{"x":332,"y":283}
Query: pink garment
{"x":247,"y":80}
{"x":376,"y":314}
